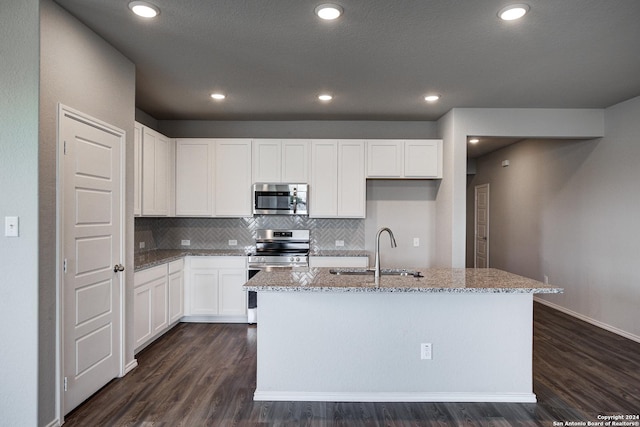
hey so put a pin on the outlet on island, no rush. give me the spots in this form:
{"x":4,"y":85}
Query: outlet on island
{"x":233,"y":243}
{"x":185,"y":242}
{"x":339,"y":243}
{"x":425,"y":351}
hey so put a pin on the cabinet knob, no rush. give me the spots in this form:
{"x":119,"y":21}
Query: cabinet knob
{"x":118,"y":268}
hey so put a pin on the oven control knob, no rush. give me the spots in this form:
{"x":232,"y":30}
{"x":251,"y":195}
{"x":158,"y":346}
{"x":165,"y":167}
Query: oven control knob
{"x":297,"y":258}
{"x":291,"y":259}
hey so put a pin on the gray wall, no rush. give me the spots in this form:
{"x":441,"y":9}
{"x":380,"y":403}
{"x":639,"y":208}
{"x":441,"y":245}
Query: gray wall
{"x":19,"y":47}
{"x":569,"y":210}
{"x":81,"y":71}
{"x":458,"y":124}
{"x":298,"y":129}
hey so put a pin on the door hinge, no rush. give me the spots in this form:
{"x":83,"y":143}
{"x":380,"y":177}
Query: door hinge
{"x":64,"y":266}
{"x":65,"y":148}
{"x":65,"y":383}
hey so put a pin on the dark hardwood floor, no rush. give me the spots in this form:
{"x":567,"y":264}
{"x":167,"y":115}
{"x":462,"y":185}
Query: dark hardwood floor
{"x":204,"y":375}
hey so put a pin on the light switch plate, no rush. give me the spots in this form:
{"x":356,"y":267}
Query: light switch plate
{"x":339,"y":243}
{"x":233,"y":242}
{"x":11,"y":226}
{"x":185,"y":242}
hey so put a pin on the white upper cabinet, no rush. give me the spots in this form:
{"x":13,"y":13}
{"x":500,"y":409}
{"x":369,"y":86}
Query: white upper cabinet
{"x":423,"y":159}
{"x":280,"y":160}
{"x":156,"y":172}
{"x":404,"y":158}
{"x":194,"y":177}
{"x":137,"y":169}
{"x":351,"y":179}
{"x":338,"y":186}
{"x":233,"y":178}
{"x":323,"y":191}
{"x":384,"y":158}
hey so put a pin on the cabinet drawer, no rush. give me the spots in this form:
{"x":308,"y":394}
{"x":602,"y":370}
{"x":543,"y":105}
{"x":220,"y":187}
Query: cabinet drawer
{"x":176,"y":266}
{"x":145,"y":276}
{"x":217,"y":262}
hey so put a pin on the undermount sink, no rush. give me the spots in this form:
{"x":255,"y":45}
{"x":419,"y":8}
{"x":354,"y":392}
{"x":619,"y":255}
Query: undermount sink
{"x":369,"y":271}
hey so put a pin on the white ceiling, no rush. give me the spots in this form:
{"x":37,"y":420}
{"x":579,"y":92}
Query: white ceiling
{"x":272,"y":58}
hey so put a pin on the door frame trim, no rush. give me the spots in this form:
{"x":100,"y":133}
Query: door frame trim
{"x":475,"y":223}
{"x":64,"y":110}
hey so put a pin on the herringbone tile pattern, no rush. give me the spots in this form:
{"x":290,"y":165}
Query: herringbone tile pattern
{"x":215,"y":233}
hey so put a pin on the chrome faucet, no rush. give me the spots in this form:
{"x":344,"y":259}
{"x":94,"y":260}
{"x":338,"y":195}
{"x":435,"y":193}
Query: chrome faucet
{"x":393,"y":245}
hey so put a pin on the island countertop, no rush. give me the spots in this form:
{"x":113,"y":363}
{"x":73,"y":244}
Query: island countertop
{"x":434,"y":280}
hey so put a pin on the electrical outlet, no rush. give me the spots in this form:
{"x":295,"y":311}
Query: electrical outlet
{"x":416,"y":242}
{"x":142,"y":244}
{"x":425,"y":351}
{"x":11,"y":226}
{"x":185,"y":242}
{"x":339,"y":243}
{"x":233,"y":243}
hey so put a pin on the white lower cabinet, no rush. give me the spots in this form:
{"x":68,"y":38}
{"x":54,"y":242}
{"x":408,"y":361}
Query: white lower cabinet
{"x":150,"y":304}
{"x":176,"y":290}
{"x":158,"y":301}
{"x":213,"y":290}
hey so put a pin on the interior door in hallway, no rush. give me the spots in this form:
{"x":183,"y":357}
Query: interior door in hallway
{"x":481,"y":247}
{"x":92,"y":285}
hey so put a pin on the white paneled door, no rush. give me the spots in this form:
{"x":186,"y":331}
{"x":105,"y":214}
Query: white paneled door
{"x":92,"y":281}
{"x":481,"y":257}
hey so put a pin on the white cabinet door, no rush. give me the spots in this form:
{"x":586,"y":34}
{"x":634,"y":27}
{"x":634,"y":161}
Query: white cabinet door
{"x":203,"y":287}
{"x":267,"y":160}
{"x":233,"y":299}
{"x":194,"y":177}
{"x":176,"y":291}
{"x":295,"y":161}
{"x":155,"y":173}
{"x":233,"y":177}
{"x":281,"y":160}
{"x":384,"y":158}
{"x":423,"y":159}
{"x":141,"y":314}
{"x":351,"y":179}
{"x":137,"y":169}
{"x":159,"y":313}
{"x":150,"y":309}
{"x":323,"y":190}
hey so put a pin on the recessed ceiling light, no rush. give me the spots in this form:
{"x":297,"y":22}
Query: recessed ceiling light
{"x":144,"y":9}
{"x":514,"y":11}
{"x":431,"y":98}
{"x":474,"y":140}
{"x":218,"y":96}
{"x":325,"y":97}
{"x":329,"y":11}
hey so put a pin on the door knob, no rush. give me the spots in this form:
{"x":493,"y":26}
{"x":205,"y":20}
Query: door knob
{"x":118,"y":267}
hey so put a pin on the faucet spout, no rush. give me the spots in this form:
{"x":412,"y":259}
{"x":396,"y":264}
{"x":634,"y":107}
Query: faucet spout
{"x":377,"y":264}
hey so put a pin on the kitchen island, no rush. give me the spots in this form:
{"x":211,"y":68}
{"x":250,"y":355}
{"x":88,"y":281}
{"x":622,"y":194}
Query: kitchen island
{"x":327,"y":337}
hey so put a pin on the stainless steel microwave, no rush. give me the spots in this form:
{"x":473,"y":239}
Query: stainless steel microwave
{"x":280,"y":199}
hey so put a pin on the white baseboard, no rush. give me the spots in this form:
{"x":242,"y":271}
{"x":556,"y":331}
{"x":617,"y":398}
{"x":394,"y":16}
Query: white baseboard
{"x":214,"y":319}
{"x":588,"y":319}
{"x":130,"y":366}
{"x":54,"y":423}
{"x":300,"y":396}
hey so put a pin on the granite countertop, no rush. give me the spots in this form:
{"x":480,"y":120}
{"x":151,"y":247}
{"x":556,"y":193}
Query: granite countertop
{"x":436,"y":280}
{"x":338,"y":253}
{"x":148,"y":259}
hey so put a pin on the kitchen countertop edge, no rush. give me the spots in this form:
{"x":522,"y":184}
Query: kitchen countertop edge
{"x":433,"y":280}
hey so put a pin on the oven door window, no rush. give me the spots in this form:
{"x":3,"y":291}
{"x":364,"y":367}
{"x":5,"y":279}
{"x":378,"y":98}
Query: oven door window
{"x":273,"y":200}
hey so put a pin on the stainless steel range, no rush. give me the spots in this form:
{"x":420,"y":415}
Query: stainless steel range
{"x":276,"y":249}
{"x":280,"y":248}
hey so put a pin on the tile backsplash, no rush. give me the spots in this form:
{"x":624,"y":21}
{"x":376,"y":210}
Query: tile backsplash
{"x":215,"y":233}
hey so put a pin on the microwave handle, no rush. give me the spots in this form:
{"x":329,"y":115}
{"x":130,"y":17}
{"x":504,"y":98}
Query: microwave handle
{"x":295,"y":200}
